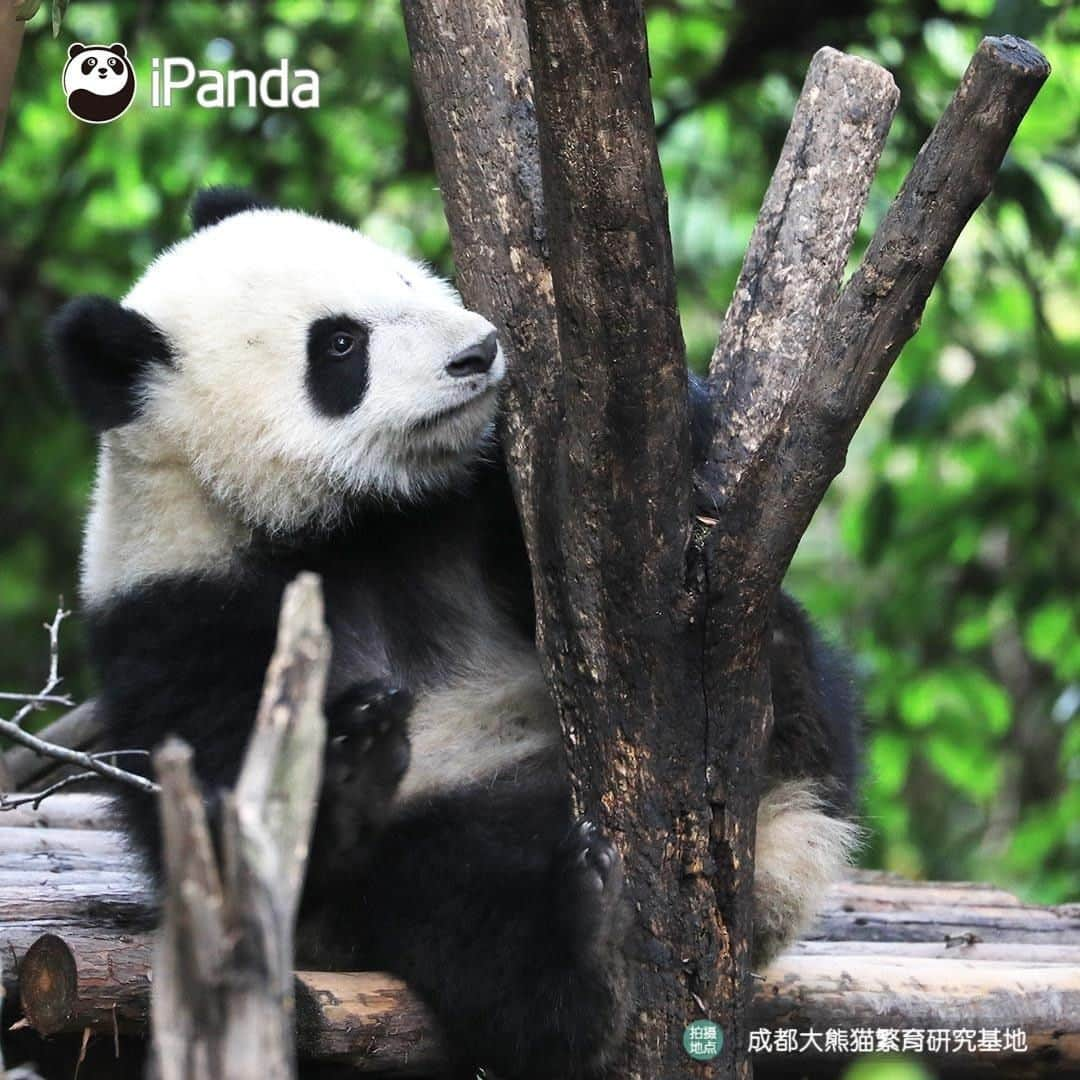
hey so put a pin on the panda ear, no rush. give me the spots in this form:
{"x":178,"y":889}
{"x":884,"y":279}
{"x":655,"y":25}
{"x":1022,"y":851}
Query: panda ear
{"x":119,"y":49}
{"x":75,"y":48}
{"x":102,"y":352}
{"x":214,"y":204}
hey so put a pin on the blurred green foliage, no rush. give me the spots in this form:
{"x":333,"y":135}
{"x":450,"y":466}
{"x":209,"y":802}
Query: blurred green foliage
{"x":947,"y":556}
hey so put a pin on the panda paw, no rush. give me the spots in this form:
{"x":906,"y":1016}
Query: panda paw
{"x":367,"y":751}
{"x":589,"y":882}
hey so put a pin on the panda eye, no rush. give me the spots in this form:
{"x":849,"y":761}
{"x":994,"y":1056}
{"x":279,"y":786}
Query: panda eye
{"x":88,"y":65}
{"x":114,"y":64}
{"x":341,"y":344}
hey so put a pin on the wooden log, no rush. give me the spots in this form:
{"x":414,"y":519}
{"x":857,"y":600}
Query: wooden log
{"x":77,"y":878}
{"x":50,"y":984}
{"x":859,"y":911}
{"x":365,"y":1020}
{"x":904,"y":993}
{"x":65,"y":810}
{"x":885,"y":952}
{"x":371,"y":1022}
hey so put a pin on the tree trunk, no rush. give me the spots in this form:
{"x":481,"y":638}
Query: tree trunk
{"x":653,"y":595}
{"x":11,"y":36}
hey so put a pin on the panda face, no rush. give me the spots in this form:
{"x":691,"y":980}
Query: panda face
{"x":99,"y":71}
{"x":307,"y":366}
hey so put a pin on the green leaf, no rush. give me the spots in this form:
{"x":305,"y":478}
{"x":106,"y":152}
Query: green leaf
{"x":1049,"y":630}
{"x":967,"y":766}
{"x":890,"y":755}
{"x":59,"y":9}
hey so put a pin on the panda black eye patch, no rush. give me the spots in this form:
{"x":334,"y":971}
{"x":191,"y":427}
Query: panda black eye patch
{"x":337,"y":364}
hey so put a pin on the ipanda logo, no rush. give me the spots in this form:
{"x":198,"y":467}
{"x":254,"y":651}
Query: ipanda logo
{"x":275,"y":88}
{"x":99,"y":82}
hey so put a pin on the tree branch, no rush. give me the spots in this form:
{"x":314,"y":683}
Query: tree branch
{"x":473,"y":77}
{"x":793,"y":267}
{"x":880,"y":307}
{"x":79,"y":729}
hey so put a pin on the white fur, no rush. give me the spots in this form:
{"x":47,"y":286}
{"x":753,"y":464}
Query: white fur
{"x":800,"y":852}
{"x":494,"y":718}
{"x":150,"y":519}
{"x":229,"y":432}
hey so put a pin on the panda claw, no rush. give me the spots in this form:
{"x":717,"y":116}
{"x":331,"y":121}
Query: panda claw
{"x":369,"y":737}
{"x":589,"y":884}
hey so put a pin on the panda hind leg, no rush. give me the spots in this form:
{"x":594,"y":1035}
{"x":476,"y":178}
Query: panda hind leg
{"x":802,"y":849}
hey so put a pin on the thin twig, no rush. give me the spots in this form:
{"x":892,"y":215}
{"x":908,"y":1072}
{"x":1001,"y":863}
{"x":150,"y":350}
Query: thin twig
{"x":39,"y":700}
{"x":54,"y":645}
{"x":88,"y":762}
{"x":34,"y":798}
{"x":91,"y":764}
{"x":52,"y":680}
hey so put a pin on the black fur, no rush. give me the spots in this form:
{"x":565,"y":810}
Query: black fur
{"x":337,"y":379}
{"x":103,"y":352}
{"x":815,"y":731}
{"x":495,"y":907}
{"x":214,"y":204}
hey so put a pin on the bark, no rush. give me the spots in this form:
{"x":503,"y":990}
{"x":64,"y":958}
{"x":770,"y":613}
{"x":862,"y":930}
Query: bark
{"x":885,"y":953}
{"x":653,"y":600}
{"x":576,"y":435}
{"x":222,"y":998}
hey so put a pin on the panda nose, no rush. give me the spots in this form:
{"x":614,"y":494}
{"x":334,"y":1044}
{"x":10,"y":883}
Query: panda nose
{"x":474,"y":360}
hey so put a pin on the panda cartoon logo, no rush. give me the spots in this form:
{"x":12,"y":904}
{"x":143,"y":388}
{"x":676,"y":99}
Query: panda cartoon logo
{"x":99,"y":82}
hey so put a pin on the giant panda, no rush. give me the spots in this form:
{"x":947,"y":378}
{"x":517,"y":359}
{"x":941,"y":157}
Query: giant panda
{"x":278,"y":393}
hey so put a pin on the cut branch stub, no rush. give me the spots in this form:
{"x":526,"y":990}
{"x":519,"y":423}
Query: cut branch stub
{"x":278,"y":786}
{"x":879,"y":309}
{"x":48,"y":984}
{"x":223,"y":963}
{"x":797,"y":254}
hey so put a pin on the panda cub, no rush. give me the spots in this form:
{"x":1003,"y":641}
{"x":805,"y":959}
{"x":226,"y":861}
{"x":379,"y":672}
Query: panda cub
{"x":277,"y":394}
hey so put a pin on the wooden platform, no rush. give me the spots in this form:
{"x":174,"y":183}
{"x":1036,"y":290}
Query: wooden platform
{"x":888,"y":959}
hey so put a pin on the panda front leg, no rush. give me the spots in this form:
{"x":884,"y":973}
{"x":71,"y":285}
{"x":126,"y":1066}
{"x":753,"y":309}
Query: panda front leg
{"x":367,"y":753}
{"x":509,"y":922}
